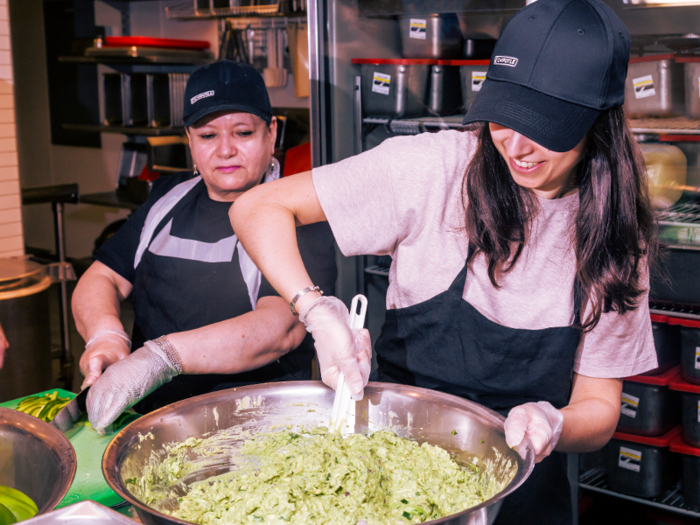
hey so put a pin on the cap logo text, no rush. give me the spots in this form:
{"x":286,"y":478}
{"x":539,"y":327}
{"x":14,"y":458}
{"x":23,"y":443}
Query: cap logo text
{"x":201,"y":96}
{"x":505,"y":61}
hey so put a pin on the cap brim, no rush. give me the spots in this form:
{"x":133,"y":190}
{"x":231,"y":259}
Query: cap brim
{"x":551,"y":122}
{"x":189,"y":120}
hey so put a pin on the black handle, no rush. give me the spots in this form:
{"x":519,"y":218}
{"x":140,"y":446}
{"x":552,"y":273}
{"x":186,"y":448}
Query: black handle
{"x":55,"y":193}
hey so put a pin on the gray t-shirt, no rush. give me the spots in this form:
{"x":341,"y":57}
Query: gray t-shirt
{"x":404,"y":199}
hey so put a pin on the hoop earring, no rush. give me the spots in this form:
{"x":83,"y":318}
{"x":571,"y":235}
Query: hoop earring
{"x":196,"y":173}
{"x":272,"y":164}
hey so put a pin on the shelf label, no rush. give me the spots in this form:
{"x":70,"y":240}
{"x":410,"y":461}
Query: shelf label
{"x":417,"y":29}
{"x":630,"y":459}
{"x":643,"y":87}
{"x":629,"y":405}
{"x":478,"y":78}
{"x":381,"y":83}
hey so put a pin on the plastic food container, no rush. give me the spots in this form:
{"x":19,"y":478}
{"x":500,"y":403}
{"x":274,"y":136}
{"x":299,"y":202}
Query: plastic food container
{"x":642,"y":466}
{"x":430,"y":36}
{"x":667,"y":167}
{"x":690,"y":348}
{"x":394,"y":87}
{"x":654,"y":87}
{"x":690,"y":409}
{"x":691,"y":71}
{"x":647,"y":406}
{"x":445,"y":94}
{"x":472,"y":74}
{"x":667,"y":342}
{"x":691,"y":471}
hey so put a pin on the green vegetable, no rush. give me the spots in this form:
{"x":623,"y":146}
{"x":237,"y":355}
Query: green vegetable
{"x":300,"y":477}
{"x":19,"y":504}
{"x":6,"y":517}
{"x":454,"y":432}
{"x":44,"y":407}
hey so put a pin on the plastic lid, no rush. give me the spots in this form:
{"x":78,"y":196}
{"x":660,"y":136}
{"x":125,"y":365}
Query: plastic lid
{"x":680,"y":446}
{"x":396,"y":61}
{"x":683,"y":386}
{"x":656,"y":318}
{"x":652,"y":58}
{"x":680,"y":321}
{"x":661,"y":441}
{"x":464,"y":62}
{"x":175,"y":43}
{"x":661,"y":380}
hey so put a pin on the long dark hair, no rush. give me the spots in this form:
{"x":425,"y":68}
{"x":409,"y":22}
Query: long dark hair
{"x":615,"y":225}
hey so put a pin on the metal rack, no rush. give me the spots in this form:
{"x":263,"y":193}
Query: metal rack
{"x":672,"y":500}
{"x":188,"y":12}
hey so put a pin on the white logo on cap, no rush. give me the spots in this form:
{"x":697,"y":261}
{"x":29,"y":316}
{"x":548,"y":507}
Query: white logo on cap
{"x":201,"y":96}
{"x":505,"y":61}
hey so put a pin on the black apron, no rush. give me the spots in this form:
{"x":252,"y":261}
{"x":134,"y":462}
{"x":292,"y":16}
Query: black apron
{"x":445,"y":344}
{"x":171,"y":294}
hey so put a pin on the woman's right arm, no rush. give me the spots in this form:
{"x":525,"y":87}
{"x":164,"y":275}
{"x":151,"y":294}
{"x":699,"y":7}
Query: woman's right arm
{"x":265,"y":220}
{"x":96,"y":307}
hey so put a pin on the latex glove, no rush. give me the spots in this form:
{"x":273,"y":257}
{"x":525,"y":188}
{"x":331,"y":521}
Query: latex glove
{"x":105,"y":348}
{"x":540,"y":422}
{"x":126,"y":382}
{"x":339,"y":348}
{"x":4,"y":345}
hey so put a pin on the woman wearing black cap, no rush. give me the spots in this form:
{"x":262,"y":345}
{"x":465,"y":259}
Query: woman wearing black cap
{"x":520,"y":249}
{"x":201,"y":306}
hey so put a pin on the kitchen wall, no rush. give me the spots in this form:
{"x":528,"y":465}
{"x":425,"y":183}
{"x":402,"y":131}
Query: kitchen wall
{"x":11,"y":231}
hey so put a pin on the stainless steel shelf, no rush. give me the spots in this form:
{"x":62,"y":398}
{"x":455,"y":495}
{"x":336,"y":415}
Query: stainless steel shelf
{"x":125,"y":60}
{"x":672,"y":500}
{"x":377,"y":270}
{"x":666,"y":126}
{"x":126,"y":130}
{"x":188,"y":12}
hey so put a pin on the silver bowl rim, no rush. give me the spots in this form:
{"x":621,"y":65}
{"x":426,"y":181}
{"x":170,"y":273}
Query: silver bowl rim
{"x":51,"y":435}
{"x":120,"y":443}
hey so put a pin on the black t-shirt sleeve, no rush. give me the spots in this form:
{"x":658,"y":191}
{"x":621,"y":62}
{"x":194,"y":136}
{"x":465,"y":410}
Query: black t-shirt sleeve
{"x":317,"y":248}
{"x":119,"y":251}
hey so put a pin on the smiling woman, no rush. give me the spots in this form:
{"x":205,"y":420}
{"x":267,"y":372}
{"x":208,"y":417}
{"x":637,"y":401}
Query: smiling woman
{"x":205,"y":318}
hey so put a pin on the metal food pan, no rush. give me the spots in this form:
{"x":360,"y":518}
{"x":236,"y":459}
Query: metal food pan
{"x":136,"y":97}
{"x":470,"y":432}
{"x":112,"y":99}
{"x":654,"y":87}
{"x":159,"y":100}
{"x":430,"y":36}
{"x":445,"y":94}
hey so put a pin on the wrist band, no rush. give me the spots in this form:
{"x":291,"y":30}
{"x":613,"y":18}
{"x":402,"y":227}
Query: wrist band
{"x":169,"y":350}
{"x":119,"y":333}
{"x":298,"y":296}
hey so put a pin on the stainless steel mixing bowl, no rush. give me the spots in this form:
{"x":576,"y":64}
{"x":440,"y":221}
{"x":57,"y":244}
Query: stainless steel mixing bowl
{"x":415,"y":413}
{"x":35,"y":458}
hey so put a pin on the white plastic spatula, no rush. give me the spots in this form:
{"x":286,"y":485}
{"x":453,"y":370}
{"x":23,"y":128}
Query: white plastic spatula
{"x":343,"y":396}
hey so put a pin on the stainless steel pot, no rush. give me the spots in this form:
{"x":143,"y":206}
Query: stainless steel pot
{"x":35,"y":458}
{"x":416,"y":413}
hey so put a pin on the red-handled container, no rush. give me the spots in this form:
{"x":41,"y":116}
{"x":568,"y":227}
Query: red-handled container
{"x":667,"y":342}
{"x":642,"y":466}
{"x":647,"y":406}
{"x":691,"y":471}
{"x":690,"y":347}
{"x":690,"y":409}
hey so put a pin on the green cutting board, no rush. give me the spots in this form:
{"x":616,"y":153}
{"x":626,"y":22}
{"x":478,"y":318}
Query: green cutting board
{"x":89,"y":483}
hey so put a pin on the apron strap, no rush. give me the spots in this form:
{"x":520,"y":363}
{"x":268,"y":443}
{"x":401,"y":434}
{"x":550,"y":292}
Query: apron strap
{"x":459,"y":282}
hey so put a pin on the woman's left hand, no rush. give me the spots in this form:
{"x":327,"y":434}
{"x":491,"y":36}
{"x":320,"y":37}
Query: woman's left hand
{"x":540,"y":422}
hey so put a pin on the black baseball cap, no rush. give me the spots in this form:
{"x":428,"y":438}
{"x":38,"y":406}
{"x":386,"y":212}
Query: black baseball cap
{"x":555,"y":67}
{"x":226,"y":85}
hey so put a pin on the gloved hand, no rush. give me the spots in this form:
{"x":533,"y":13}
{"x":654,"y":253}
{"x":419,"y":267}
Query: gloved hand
{"x":105,"y":348}
{"x":540,"y":422}
{"x":339,"y":348}
{"x":126,"y":382}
